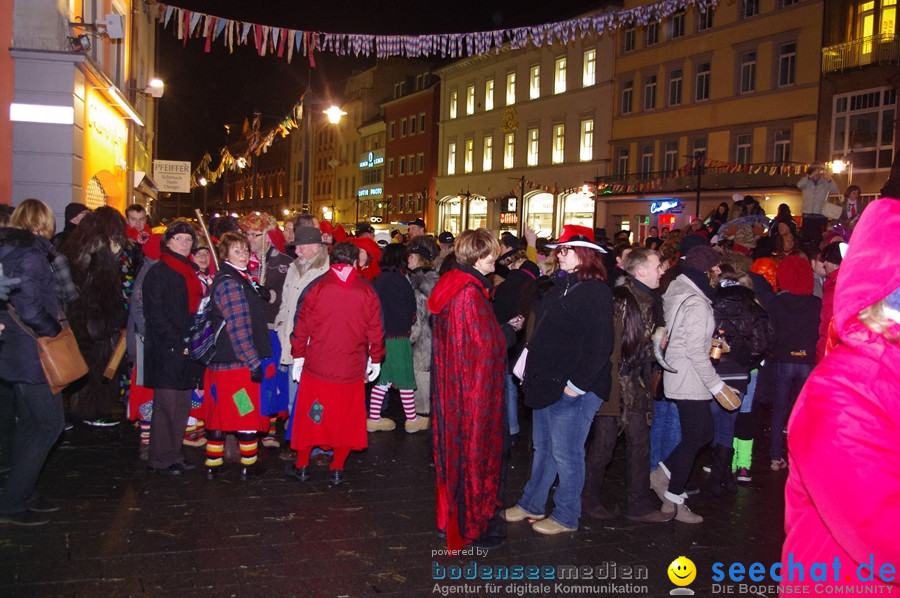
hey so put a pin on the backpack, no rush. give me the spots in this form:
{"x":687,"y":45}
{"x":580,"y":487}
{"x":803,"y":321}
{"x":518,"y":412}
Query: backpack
{"x":205,"y":329}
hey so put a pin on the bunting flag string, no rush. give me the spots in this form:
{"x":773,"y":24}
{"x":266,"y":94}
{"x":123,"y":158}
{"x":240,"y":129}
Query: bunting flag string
{"x":269,"y":39}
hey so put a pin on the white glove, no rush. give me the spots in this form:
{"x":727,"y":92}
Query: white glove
{"x":373,"y":370}
{"x":297,"y":368}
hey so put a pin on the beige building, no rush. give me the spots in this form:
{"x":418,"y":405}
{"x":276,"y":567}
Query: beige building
{"x":723,"y":99}
{"x":521,"y":132}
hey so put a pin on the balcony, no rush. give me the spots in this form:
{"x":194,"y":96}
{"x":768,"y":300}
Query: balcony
{"x":876,"y":49}
{"x":714,"y":175}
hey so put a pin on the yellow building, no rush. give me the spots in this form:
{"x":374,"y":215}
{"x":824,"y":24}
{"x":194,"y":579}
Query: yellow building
{"x":727,"y":96}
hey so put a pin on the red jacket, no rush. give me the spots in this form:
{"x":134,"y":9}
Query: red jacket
{"x":338,"y":325}
{"x":842,"y":498}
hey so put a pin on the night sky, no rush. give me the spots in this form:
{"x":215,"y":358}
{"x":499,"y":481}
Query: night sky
{"x":206,"y":91}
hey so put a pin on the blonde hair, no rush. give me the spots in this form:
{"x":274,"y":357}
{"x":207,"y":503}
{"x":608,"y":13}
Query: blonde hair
{"x":472,"y":245}
{"x":34,"y":216}
{"x":874,"y":318}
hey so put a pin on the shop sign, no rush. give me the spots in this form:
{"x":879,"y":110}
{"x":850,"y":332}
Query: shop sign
{"x":372,"y":159}
{"x":509,"y":218}
{"x":670,"y":206}
{"x":172,"y":176}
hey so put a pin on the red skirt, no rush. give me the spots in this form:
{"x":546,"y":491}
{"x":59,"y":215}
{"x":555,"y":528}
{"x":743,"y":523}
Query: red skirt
{"x":140,"y":400}
{"x":231,"y":401}
{"x":327,"y":414}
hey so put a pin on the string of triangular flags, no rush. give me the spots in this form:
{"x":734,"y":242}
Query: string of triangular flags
{"x":284,"y":42}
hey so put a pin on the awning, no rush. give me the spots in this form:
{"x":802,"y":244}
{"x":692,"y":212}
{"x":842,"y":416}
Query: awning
{"x":145,"y":185}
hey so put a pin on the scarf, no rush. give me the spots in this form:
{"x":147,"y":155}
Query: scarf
{"x":701,"y":279}
{"x":187,"y":271}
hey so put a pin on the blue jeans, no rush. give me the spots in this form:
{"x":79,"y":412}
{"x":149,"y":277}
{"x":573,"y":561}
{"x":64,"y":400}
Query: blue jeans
{"x":665,"y":431}
{"x":723,"y":424}
{"x":39,"y":422}
{"x":786,"y":381}
{"x":559,"y":433}
{"x":512,"y":403}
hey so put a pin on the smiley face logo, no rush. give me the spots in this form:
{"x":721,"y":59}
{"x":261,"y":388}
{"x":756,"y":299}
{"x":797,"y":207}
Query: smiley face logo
{"x":682,"y":571}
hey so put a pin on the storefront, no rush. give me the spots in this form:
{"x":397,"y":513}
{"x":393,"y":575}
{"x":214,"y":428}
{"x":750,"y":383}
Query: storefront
{"x":105,"y":165}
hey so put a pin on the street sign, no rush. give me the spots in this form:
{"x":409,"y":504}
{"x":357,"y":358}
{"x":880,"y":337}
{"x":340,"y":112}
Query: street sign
{"x":172,"y":176}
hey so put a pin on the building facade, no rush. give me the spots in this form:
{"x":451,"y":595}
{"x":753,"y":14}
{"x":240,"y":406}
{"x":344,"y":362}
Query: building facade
{"x":81,"y":105}
{"x":521,"y":133}
{"x":858,"y":101}
{"x":713,"y":103}
{"x":411,"y":149}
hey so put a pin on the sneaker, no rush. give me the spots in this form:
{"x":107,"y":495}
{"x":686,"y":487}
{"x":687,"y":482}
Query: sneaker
{"x":514,"y":513}
{"x":743,"y":475}
{"x":101,"y":422}
{"x":420,"y":424}
{"x":778,"y":465}
{"x":194,"y":439}
{"x":380,"y":425}
{"x":548,"y":527}
{"x":270,"y":442}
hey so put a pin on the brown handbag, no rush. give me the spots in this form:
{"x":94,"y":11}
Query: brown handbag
{"x":60,"y":356}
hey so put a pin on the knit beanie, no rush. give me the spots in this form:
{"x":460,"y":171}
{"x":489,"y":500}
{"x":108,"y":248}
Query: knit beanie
{"x":178,"y":227}
{"x":702,"y":258}
{"x":74,"y":209}
{"x":795,"y":275}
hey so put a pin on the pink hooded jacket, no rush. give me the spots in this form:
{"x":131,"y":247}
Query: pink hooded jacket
{"x":842,"y":498}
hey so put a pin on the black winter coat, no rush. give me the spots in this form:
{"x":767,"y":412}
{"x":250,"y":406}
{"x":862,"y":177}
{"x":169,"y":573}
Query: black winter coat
{"x":572,"y":341}
{"x":746,"y":327}
{"x":168,"y":319}
{"x":26,"y":256}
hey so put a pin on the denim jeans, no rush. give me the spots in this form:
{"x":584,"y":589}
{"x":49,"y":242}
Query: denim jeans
{"x":723,"y":424}
{"x":512,"y":403}
{"x":559,"y":433}
{"x":39,"y":423}
{"x":786,"y":381}
{"x":665,"y":431}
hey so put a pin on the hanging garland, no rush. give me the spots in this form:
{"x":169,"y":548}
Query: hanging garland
{"x":284,"y":41}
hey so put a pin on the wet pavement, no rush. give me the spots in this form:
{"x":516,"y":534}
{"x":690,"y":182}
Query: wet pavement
{"x":124,"y":532}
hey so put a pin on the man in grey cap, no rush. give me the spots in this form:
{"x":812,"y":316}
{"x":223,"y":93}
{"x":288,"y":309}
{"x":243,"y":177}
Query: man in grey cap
{"x":311,"y":263}
{"x":416,"y":228}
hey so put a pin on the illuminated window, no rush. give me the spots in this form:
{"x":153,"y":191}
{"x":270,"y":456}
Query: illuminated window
{"x":532,"y":158}
{"x":489,"y":94}
{"x":509,"y":150}
{"x":451,"y":158}
{"x":586,"y":145}
{"x":487,"y":157}
{"x":534,"y":82}
{"x":559,"y":144}
{"x":453,"y":100}
{"x":469,"y":157}
{"x":589,"y":73}
{"x":559,"y":76}
{"x":510,"y":89}
{"x":470,"y":99}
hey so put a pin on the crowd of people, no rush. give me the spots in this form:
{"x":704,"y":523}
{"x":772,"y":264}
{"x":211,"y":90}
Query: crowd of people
{"x":676,"y":342}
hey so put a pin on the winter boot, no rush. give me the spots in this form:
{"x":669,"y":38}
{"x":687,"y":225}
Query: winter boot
{"x":717,"y":473}
{"x":724,"y":455}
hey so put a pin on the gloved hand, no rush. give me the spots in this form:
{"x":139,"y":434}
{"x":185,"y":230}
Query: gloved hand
{"x":265,"y":294}
{"x":728,"y":398}
{"x":373,"y":370}
{"x":256,"y":374}
{"x":297,"y":368}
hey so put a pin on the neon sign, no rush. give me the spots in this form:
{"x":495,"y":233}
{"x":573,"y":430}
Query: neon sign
{"x":663,"y":206}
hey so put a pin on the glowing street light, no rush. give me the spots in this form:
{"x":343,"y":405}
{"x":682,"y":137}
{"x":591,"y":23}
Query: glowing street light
{"x":334,"y":114}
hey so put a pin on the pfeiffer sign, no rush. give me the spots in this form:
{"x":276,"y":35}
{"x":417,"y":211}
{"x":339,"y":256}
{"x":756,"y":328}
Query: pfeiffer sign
{"x":172,"y":176}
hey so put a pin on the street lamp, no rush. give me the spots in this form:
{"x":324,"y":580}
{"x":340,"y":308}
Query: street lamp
{"x":203,"y":183}
{"x":334,"y":115}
